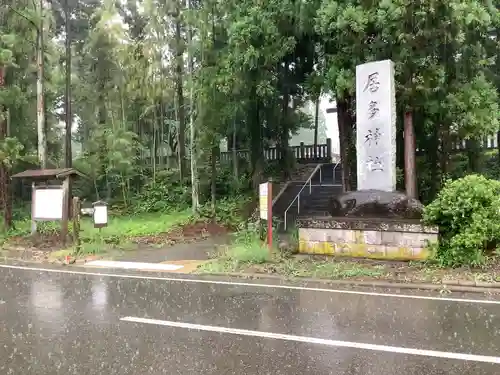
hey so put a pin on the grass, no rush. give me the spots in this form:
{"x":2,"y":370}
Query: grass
{"x":329,"y":269}
{"x":120,"y":229}
{"x":249,"y":254}
{"x":238,"y":259}
{"x":254,"y":253}
{"x":60,"y":253}
{"x":247,"y":249}
{"x":125,"y":227}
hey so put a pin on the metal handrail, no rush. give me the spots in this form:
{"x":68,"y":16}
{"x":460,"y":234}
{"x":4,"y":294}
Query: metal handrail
{"x":334,"y":169}
{"x":297,"y":197}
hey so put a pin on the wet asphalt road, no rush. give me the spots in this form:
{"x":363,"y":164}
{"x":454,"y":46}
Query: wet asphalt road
{"x":59,"y":323}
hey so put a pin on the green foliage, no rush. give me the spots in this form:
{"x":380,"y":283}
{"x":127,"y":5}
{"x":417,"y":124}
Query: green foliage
{"x":248,"y":247}
{"x":491,"y":165}
{"x":251,"y":67}
{"x":11,"y":152}
{"x":474,"y":108}
{"x":167,"y":192}
{"x":229,"y":211}
{"x":467,"y":212}
{"x":164,"y":193}
{"x":225,"y":182}
{"x":254,"y":253}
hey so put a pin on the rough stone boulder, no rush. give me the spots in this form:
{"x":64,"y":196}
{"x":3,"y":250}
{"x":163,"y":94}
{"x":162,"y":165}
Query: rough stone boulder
{"x":375,"y":204}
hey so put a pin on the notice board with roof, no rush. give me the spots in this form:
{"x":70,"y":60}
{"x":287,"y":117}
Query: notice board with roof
{"x":50,"y":195}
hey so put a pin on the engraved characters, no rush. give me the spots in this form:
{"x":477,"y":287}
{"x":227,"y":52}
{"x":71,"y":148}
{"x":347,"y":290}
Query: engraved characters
{"x":374,"y":163}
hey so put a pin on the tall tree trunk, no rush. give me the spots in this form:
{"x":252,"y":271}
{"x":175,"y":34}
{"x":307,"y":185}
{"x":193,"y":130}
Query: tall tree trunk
{"x":192,"y":130}
{"x":154,"y":146}
{"x":410,"y":164}
{"x":179,"y":81}
{"x":256,"y":154}
{"x":498,"y":147}
{"x":497,"y":70}
{"x":351,"y":135}
{"x":444,"y":157}
{"x":285,"y":133}
{"x":400,"y":152}
{"x":235,"y":154}
{"x":213,"y":174}
{"x":40,"y":113}
{"x":5,"y":197}
{"x":343,"y":120}
{"x":473,"y":155}
{"x":68,"y":155}
{"x":432,"y":152}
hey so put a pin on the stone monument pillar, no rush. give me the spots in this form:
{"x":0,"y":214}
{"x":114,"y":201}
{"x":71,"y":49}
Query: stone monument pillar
{"x":376,"y":126}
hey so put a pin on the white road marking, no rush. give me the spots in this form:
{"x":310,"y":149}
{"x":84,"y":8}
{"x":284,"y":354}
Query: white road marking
{"x":253,"y":285}
{"x":134,"y":265}
{"x":314,"y":340}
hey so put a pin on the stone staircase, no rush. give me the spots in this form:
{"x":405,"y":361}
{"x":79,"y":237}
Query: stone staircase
{"x":314,"y":196}
{"x":302,"y":172}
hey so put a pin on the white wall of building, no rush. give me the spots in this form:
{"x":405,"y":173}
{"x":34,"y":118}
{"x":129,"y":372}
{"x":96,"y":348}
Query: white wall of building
{"x":327,"y":128}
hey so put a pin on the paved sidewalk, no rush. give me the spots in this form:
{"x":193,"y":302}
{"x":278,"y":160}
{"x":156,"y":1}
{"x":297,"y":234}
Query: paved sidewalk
{"x":200,"y":250}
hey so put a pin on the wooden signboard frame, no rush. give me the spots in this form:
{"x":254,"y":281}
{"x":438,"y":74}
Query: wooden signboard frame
{"x":51,"y":179}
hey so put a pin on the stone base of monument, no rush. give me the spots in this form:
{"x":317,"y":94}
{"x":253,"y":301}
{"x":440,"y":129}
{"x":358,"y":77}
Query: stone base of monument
{"x":388,"y":239}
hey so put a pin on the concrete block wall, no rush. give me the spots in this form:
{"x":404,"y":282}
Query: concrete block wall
{"x":389,"y":241}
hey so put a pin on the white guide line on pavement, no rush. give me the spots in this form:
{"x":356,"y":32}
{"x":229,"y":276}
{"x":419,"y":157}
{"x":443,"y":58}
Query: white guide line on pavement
{"x":252,"y":285}
{"x":314,"y":340}
{"x":134,"y":265}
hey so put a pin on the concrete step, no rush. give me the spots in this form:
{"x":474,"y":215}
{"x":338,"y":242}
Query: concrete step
{"x":302,"y":172}
{"x":314,"y":199}
{"x":329,"y":174}
{"x":286,"y":197}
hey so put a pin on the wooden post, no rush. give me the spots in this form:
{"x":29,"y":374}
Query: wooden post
{"x":410,"y":165}
{"x":69,"y":197}
{"x":64,"y":221}
{"x":270,"y":216}
{"x":329,"y":149}
{"x":76,"y":224}
{"x":33,"y":222}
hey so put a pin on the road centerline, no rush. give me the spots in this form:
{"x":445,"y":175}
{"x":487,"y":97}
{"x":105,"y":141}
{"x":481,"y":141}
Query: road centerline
{"x":317,"y":341}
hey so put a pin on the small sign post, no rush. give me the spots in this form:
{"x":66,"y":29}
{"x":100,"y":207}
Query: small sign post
{"x":265,"y":206}
{"x":76,"y":224}
{"x":100,"y":214}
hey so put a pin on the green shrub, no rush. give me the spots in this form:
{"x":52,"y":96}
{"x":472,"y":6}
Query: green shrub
{"x":226,"y":185}
{"x":230,"y":211}
{"x":467,"y":213}
{"x":248,"y":247}
{"x":254,"y":253}
{"x":165,"y":193}
{"x":491,"y":166}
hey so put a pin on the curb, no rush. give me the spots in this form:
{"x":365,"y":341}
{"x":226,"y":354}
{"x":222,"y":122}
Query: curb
{"x":452,"y":285}
{"x":464,"y":286}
